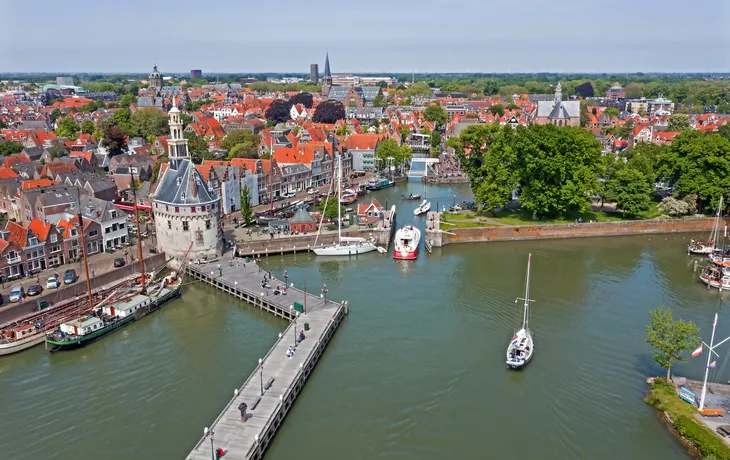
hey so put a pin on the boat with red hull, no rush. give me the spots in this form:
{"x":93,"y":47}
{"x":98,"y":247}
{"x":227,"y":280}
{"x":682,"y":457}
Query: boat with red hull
{"x":407,"y":240}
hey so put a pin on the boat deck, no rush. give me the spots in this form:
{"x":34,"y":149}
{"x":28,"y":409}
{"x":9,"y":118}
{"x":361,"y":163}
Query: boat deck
{"x":281,"y":377}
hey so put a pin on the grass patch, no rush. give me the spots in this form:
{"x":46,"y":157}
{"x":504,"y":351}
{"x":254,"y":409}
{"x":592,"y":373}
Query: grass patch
{"x":446,"y":226}
{"x":664,"y":397}
{"x":461,"y":215}
{"x":521,"y":217}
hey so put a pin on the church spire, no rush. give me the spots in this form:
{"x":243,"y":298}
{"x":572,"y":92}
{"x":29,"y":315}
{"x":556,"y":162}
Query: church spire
{"x":177,"y":143}
{"x":327,"y":73}
{"x":558,"y":93}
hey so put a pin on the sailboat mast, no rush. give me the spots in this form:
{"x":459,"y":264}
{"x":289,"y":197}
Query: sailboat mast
{"x":339,"y":197}
{"x":83,"y":251}
{"x":527,"y":293}
{"x":139,"y":238}
{"x":707,"y":367}
{"x":716,"y":227}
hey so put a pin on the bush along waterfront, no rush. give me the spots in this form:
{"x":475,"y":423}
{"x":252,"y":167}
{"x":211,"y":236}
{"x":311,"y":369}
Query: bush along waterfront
{"x":683,"y":417}
{"x":561,"y":170}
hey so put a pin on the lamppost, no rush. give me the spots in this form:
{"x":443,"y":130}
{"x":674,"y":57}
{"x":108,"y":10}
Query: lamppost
{"x":324,"y":292}
{"x":286,"y":276}
{"x":261,"y":373}
{"x":210,"y":434}
{"x":295,"y":314}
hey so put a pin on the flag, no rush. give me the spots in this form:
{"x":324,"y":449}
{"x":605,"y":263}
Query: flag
{"x":514,"y":339}
{"x":712,"y":365}
{"x":714,"y":323}
{"x":697,"y":352}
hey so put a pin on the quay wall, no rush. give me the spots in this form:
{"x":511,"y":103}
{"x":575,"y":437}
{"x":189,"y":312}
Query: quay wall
{"x":54,"y":297}
{"x":556,"y":231}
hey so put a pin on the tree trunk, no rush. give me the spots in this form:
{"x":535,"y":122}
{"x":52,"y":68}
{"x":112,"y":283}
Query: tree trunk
{"x":669,"y":370}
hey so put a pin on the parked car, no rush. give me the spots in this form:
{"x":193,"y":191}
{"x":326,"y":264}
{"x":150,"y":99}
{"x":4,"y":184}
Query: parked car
{"x":34,"y":290}
{"x":52,"y":282}
{"x":17,"y":293}
{"x":69,"y":276}
{"x":119,"y":262}
{"x":289,"y":195}
{"x":312,"y":191}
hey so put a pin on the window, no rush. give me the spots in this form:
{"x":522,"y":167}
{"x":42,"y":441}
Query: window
{"x":192,"y":209}
{"x":169,"y":225}
{"x":73,"y":232}
{"x":74,"y":243}
{"x":108,"y":230}
{"x":54,"y":238}
{"x":177,"y":209}
{"x":207,"y":224}
{"x":55,"y":248}
{"x":114,"y":214}
{"x":121,"y":226}
{"x":203,"y":208}
{"x":93,"y":233}
{"x":185,"y":226}
{"x":40,"y":252}
{"x":33,"y":240}
{"x":12,"y":255}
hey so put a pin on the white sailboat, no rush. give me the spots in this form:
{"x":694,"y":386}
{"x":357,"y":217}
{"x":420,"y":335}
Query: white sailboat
{"x":709,"y":246}
{"x":423,"y":208}
{"x":345,"y":246}
{"x":521,"y":348}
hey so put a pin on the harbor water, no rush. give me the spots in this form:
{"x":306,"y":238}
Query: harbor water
{"x":417,"y":370}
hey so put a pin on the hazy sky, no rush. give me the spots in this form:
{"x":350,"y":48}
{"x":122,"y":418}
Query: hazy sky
{"x":365,"y":36}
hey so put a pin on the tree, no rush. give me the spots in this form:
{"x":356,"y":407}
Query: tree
{"x":185,"y":119}
{"x":435,"y":114}
{"x":328,"y":208}
{"x":279,"y":111}
{"x":57,"y":150}
{"x":491,"y":87}
{"x":674,"y":207}
{"x":239,"y":136}
{"x":404,"y":131}
{"x":123,"y":119}
{"x":115,"y":141}
{"x":55,"y":115}
{"x":246,"y":208}
{"x":306,"y":99}
{"x":631,"y":190}
{"x":724,"y":131}
{"x":584,"y":118}
{"x":389,"y":150}
{"x":558,"y":168}
{"x":149,"y":121}
{"x":10,"y":147}
{"x":497,"y":109}
{"x":329,"y":111}
{"x":127,"y":99}
{"x":418,"y":89}
{"x":513,"y":106}
{"x":245,"y":150}
{"x":156,"y":166}
{"x":435,"y":141}
{"x":612,"y":112}
{"x":585,"y":90}
{"x":669,"y":338}
{"x":68,"y":128}
{"x":379,"y":101}
{"x":498,"y":171}
{"x":678,"y":122}
{"x":87,"y":127}
{"x":198,"y":148}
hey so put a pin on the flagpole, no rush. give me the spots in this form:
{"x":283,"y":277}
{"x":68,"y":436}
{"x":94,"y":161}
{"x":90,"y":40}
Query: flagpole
{"x":707,"y":367}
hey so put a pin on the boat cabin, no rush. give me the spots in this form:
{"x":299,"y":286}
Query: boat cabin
{"x":18,"y":332}
{"x":127,"y":307}
{"x":82,"y":326}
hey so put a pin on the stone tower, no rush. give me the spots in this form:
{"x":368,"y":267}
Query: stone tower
{"x":327,"y":79}
{"x":155,"y":78}
{"x":186,"y":209}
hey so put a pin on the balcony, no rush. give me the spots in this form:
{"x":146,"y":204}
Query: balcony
{"x":14,"y":260}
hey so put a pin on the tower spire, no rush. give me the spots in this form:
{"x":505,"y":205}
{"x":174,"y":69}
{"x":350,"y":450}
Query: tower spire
{"x":558,"y":93}
{"x":327,"y":73}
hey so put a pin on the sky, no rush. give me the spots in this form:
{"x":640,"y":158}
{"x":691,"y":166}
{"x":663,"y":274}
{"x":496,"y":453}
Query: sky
{"x":365,"y":36}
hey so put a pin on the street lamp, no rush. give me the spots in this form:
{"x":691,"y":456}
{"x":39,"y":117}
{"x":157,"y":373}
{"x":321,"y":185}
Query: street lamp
{"x":261,"y":369}
{"x":210,"y":434}
{"x":285,"y":276}
{"x":295,"y":314}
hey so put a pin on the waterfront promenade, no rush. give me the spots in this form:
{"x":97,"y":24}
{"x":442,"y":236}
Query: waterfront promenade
{"x":244,"y":432}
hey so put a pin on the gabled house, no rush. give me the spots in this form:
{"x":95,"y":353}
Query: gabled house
{"x":11,"y":259}
{"x":32,"y":247}
{"x":369,"y":214}
{"x":49,"y":235}
{"x":112,"y":222}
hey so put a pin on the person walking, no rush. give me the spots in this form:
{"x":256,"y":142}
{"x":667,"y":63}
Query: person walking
{"x":220,"y":270}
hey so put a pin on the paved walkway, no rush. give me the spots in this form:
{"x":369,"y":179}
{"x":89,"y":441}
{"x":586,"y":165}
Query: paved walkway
{"x":267,"y":408}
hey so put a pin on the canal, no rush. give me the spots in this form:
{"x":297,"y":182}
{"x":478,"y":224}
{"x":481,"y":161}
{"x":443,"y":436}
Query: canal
{"x":415,"y":372}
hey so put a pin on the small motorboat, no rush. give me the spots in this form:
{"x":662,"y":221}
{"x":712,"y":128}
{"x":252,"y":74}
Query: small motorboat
{"x":406,"y":243}
{"x":411,"y":196}
{"x":423,"y":208}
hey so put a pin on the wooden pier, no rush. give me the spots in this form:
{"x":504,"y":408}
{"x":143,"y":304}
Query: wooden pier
{"x":272,"y":387}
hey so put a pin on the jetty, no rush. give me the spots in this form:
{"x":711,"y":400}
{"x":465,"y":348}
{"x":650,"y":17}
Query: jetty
{"x":248,"y":422}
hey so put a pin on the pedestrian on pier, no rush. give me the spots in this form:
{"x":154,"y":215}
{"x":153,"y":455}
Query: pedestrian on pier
{"x":220,"y":270}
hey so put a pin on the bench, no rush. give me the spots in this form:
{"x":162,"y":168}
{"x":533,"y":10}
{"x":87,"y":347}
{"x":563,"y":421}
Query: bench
{"x":723,"y":430}
{"x":712,"y":412}
{"x":269,"y":383}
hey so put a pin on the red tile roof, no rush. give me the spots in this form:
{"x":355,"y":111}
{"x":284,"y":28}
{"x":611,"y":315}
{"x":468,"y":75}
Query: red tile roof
{"x":36,"y":183}
{"x":363,"y":141}
{"x":40,"y":229}
{"x":18,"y":234}
{"x":7,"y":173}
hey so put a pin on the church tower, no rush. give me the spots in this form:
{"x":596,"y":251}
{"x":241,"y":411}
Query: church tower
{"x":558,"y":93}
{"x":186,"y":208}
{"x":155,"y":78}
{"x":327,"y":80}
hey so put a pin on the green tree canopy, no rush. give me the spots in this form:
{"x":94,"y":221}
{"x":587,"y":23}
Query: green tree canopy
{"x":497,"y":109}
{"x":198,"y":148}
{"x":417,"y":89}
{"x":244,"y":150}
{"x":631,"y":190}
{"x":244,"y":137}
{"x":388,"y":148}
{"x":612,"y":112}
{"x":87,"y":127}
{"x":246,"y":208}
{"x":328,"y":208}
{"x":68,"y":128}
{"x":127,"y":100}
{"x":149,"y":121}
{"x":115,"y":141}
{"x":670,"y":339}
{"x":435,"y":114}
{"x":678,"y":122}
{"x":10,"y":147}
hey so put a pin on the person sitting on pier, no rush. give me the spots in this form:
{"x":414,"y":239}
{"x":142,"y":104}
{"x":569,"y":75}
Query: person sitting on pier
{"x":301,"y":336}
{"x":290,"y":352}
{"x":277,"y":291}
{"x":283,"y":290}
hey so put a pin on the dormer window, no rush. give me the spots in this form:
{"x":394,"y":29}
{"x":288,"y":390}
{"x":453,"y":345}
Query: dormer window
{"x":33,"y":240}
